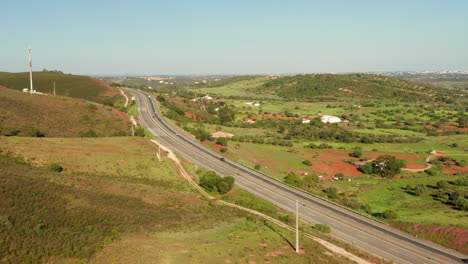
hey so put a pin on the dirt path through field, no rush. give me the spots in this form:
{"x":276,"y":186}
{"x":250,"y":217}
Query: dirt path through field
{"x":126,"y":97}
{"x":188,"y":177}
{"x":428,"y":162}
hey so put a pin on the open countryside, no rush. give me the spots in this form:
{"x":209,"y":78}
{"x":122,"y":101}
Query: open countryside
{"x":260,"y":132}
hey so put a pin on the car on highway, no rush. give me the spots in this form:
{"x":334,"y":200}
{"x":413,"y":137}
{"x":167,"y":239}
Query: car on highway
{"x":221,"y":158}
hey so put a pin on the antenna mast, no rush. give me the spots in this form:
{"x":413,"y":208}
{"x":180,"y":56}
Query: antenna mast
{"x":30,"y":71}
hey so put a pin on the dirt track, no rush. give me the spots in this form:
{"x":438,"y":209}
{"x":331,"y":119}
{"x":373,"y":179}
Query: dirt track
{"x":188,"y":177}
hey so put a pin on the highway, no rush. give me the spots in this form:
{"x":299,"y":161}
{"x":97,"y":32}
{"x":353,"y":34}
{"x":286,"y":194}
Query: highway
{"x":367,"y":233}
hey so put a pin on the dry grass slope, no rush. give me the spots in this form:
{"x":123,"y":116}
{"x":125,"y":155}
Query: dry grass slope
{"x":77,"y":86}
{"x":57,"y":116}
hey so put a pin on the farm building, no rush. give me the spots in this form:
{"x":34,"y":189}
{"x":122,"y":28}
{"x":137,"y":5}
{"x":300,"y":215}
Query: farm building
{"x":222,"y":134}
{"x":306,"y":120}
{"x":330,"y":119}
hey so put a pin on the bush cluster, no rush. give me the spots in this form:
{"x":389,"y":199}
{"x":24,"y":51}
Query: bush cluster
{"x":212,"y":182}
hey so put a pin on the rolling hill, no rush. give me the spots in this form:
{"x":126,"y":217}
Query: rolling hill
{"x":78,"y":86}
{"x":345,"y":85}
{"x":27,"y":114}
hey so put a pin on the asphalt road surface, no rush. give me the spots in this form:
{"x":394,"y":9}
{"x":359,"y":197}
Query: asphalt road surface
{"x":367,"y":233}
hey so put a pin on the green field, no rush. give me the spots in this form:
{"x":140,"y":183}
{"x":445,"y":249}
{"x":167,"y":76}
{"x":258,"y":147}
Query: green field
{"x":412,"y":208}
{"x":236,"y":89}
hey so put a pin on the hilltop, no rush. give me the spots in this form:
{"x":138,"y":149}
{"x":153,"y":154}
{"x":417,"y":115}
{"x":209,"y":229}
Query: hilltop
{"x":346,"y":85}
{"x":24,"y":114}
{"x":78,"y":86}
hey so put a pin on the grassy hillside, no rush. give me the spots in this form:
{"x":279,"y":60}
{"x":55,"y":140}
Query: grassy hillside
{"x":77,"y":86}
{"x":335,"y":85}
{"x":57,"y":116}
{"x":235,"y":87}
{"x":114,"y":202}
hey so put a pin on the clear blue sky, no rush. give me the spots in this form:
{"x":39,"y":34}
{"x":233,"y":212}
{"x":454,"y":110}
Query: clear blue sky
{"x":234,"y":37}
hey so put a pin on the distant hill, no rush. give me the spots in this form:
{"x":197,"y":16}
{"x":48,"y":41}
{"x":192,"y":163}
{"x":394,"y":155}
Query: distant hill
{"x":344,"y":85}
{"x":77,"y":86}
{"x":57,"y":116}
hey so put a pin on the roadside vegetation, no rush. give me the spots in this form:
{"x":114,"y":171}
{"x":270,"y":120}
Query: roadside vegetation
{"x":69,"y":216}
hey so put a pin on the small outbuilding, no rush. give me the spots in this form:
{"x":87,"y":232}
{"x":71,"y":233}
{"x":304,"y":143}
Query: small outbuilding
{"x":222,"y":134}
{"x":330,"y":119}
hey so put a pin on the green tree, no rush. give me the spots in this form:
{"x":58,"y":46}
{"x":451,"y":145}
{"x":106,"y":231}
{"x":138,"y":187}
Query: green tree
{"x":258,"y":166}
{"x":225,"y":184}
{"x":388,"y":166}
{"x":367,"y":168}
{"x":307,"y":163}
{"x":209,"y":181}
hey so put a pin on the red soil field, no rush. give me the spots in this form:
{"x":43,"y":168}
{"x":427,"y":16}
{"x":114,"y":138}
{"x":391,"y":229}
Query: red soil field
{"x":333,"y":162}
{"x":415,"y":166}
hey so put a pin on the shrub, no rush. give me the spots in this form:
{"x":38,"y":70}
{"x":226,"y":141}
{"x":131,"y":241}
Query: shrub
{"x":223,"y":150}
{"x":332,"y":192}
{"x":258,"y":167}
{"x":339,"y":175}
{"x":35,"y":132}
{"x":367,"y":168}
{"x":140,"y":131}
{"x":307,"y":163}
{"x":420,"y":189}
{"x":390,"y":215}
{"x":462,"y":181}
{"x":221,"y":141}
{"x":433,"y":171}
{"x":55,"y":167}
{"x":357,"y":153}
{"x":461,"y":203}
{"x":442,"y":184}
{"x":311,"y":180}
{"x":89,"y":133}
{"x":294,"y":180}
{"x":323,"y":228}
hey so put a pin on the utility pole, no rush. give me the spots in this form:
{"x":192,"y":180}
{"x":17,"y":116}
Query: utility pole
{"x":297,"y":226}
{"x":54,"y":88}
{"x":133,"y":131}
{"x":30,"y":71}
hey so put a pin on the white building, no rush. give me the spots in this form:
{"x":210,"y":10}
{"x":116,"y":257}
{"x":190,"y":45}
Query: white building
{"x":305,"y":120}
{"x":207,"y":97}
{"x":330,"y":119}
